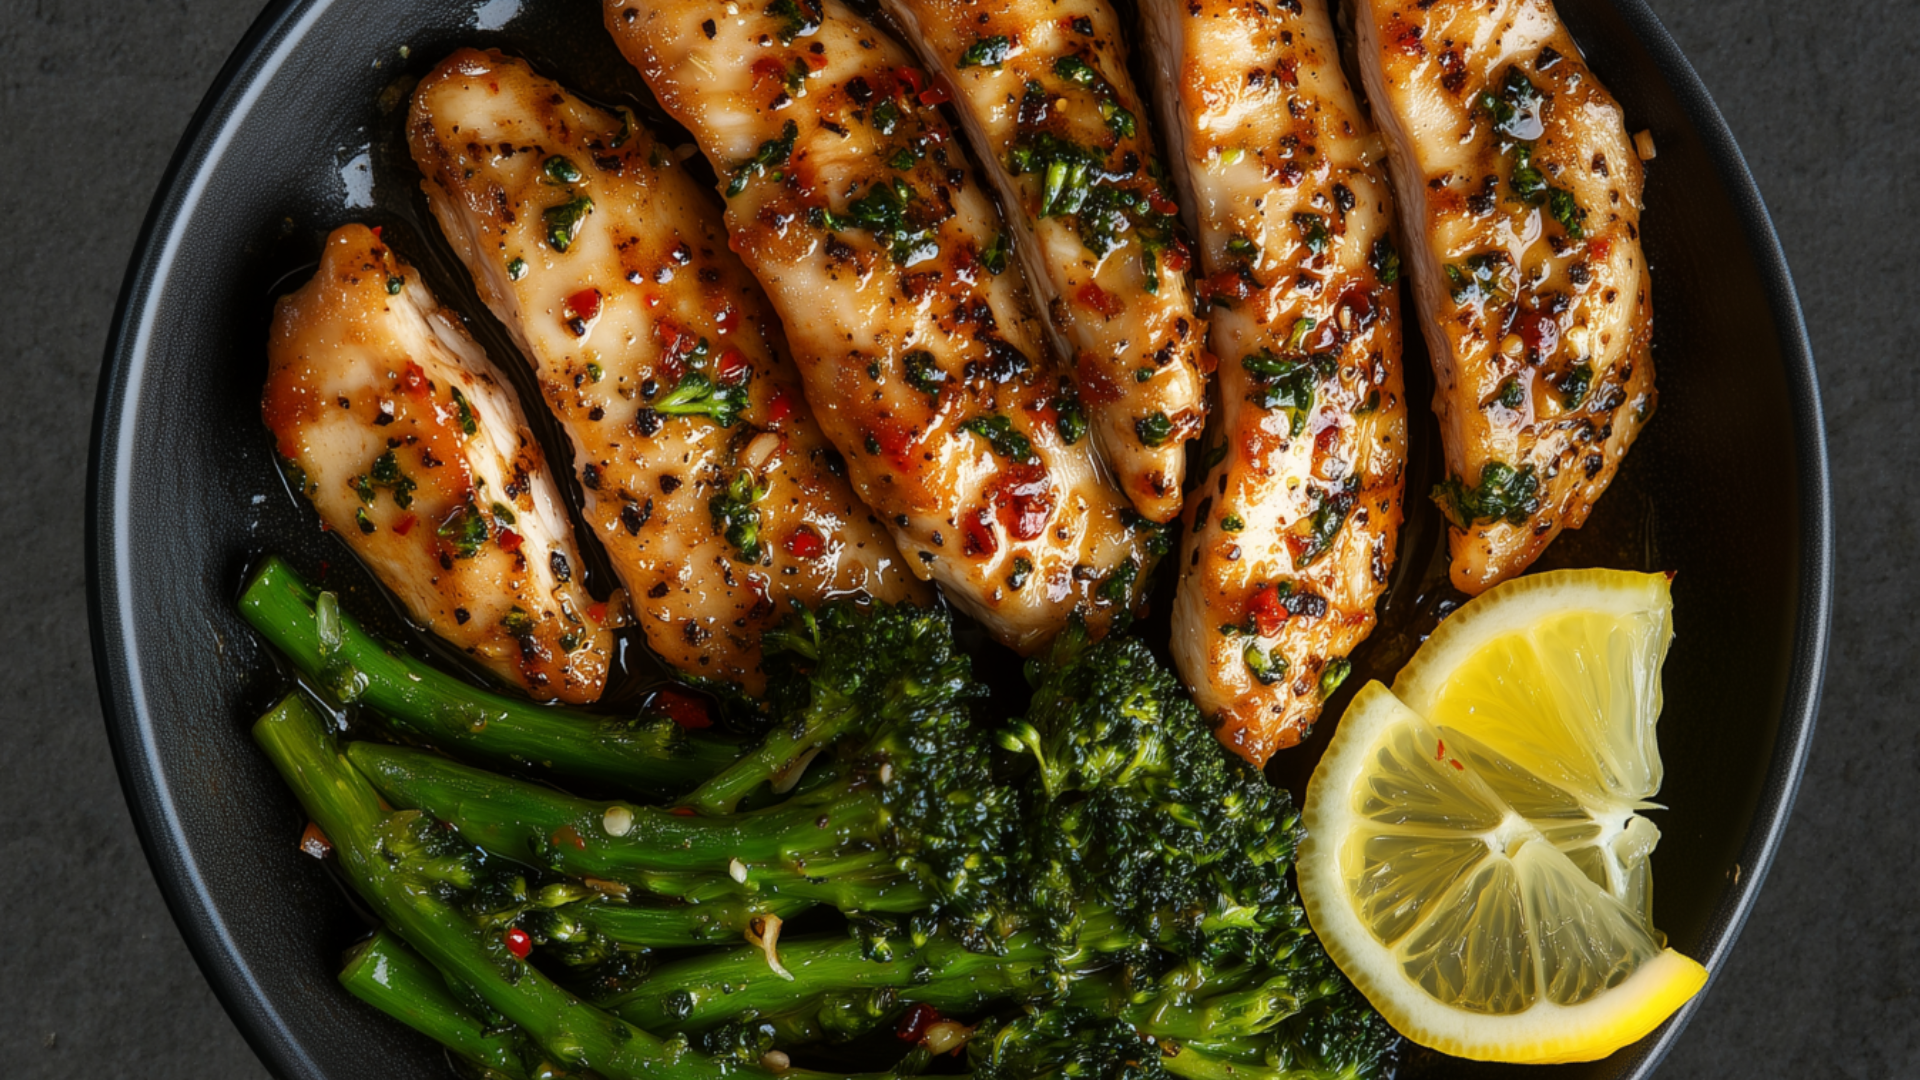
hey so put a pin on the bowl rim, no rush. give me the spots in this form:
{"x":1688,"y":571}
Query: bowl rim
{"x":282,"y":26}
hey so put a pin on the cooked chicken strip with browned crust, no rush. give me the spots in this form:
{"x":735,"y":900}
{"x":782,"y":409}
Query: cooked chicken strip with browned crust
{"x":1520,"y":197}
{"x":1292,"y":532}
{"x":705,"y":477}
{"x":1042,"y":86}
{"x":412,"y":447}
{"x":850,"y":199}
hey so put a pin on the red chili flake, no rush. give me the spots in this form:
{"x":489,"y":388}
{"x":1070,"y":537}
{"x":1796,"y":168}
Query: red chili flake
{"x":584,"y":304}
{"x":1540,"y":331}
{"x":1162,"y":205}
{"x":934,"y":96}
{"x":509,"y":540}
{"x":780,"y":406}
{"x":768,"y":68}
{"x":597,"y":612}
{"x":1358,"y":302}
{"x":1408,"y":39}
{"x":1600,"y":247}
{"x":1177,"y":257}
{"x":1266,"y":610}
{"x":1231,"y":284}
{"x":414,"y":380}
{"x":1025,"y":496}
{"x":1209,"y":363}
{"x":977,"y":538}
{"x":914,"y":1025}
{"x":1323,"y":442}
{"x":915,"y":81}
{"x":314,"y":842}
{"x":815,"y":61}
{"x":894,"y":439}
{"x":804,"y":543}
{"x":1107,"y":304}
{"x":1440,"y":750}
{"x":567,"y":834}
{"x":404,"y":525}
{"x":733,"y":366}
{"x":684,"y":811}
{"x":1457,"y":765}
{"x":683,"y":709}
{"x":518,"y":943}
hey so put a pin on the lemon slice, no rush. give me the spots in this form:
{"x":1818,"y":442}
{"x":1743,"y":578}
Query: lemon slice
{"x":1476,"y":862}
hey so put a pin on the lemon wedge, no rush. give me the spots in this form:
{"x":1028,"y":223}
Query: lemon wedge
{"x":1476,"y":860}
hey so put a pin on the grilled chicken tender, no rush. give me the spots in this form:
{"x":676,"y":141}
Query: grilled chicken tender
{"x":705,"y":477}
{"x":1042,"y":86}
{"x":850,"y":199}
{"x":414,"y":450}
{"x":1292,"y":532}
{"x":1520,"y":196}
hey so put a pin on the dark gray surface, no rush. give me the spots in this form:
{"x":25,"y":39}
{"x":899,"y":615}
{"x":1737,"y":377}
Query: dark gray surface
{"x":94,"y":980}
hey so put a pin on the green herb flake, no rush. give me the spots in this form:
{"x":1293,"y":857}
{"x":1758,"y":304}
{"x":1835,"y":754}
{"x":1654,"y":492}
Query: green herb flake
{"x":1284,"y":384}
{"x":1022,"y":570}
{"x":1266,"y":667}
{"x":394,"y":284}
{"x":1566,"y":210}
{"x":516,"y":268}
{"x":1503,"y":494}
{"x":1385,"y":261}
{"x":564,"y":221}
{"x":466,"y":530}
{"x":560,"y":170}
{"x":1076,"y":71}
{"x":1070,"y":420}
{"x":505,"y":513}
{"x":360,"y":518}
{"x":595,"y":372}
{"x":986,"y":52}
{"x":995,"y":257}
{"x":1333,"y":675}
{"x":1118,"y":120}
{"x":884,"y":117}
{"x":1573,"y":386}
{"x":1232,"y":523}
{"x":1153,"y":430}
{"x":1511,"y":394}
{"x":1117,"y":584}
{"x":798,"y":18}
{"x":468,"y":425}
{"x":1242,"y":248}
{"x":1329,"y":516}
{"x":1313,"y":231}
{"x":771,"y":155}
{"x":924,"y":373}
{"x":1002,"y":438}
{"x":517,"y":623}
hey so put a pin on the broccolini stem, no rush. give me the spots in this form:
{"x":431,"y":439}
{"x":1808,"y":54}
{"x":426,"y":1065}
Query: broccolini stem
{"x":813,"y":849}
{"x":718,"y":922}
{"x":1193,"y":1063}
{"x":424,"y":703}
{"x":778,"y":753}
{"x":700,"y":991}
{"x":387,"y":975}
{"x":348,"y":811}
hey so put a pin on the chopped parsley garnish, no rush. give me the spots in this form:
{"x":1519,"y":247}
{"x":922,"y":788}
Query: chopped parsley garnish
{"x":884,"y":212}
{"x":1159,"y":538}
{"x":885,"y":117}
{"x":1022,"y":570}
{"x":517,"y":623}
{"x":771,"y":155}
{"x":1511,"y":394}
{"x":516,"y":268}
{"x":465,"y":411}
{"x":1313,"y":231}
{"x":1573,"y":386}
{"x":924,"y":374}
{"x":1333,"y":675}
{"x":736,"y":517}
{"x":560,"y":170}
{"x":360,"y":518}
{"x":995,"y":257}
{"x":797,"y":18}
{"x":1077,"y":71}
{"x":1285,"y":384}
{"x":1480,"y":278}
{"x":1266,"y":667}
{"x":386,"y":473}
{"x":564,"y":221}
{"x":1241,"y":248}
{"x":1070,"y":420}
{"x":1566,"y":210}
{"x":1153,"y":430}
{"x":394,"y":284}
{"x":1503,"y":494}
{"x":1329,"y":514}
{"x":1515,"y":108}
{"x":1528,"y":183}
{"x":466,"y":530}
{"x":1232,"y":523}
{"x":1000,"y":435}
{"x":1385,"y":261}
{"x":986,"y":52}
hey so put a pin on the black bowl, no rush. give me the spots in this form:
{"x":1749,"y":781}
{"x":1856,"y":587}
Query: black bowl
{"x":1729,"y":488}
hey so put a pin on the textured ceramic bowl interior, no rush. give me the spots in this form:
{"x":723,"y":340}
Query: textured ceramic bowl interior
{"x":301,"y":133}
